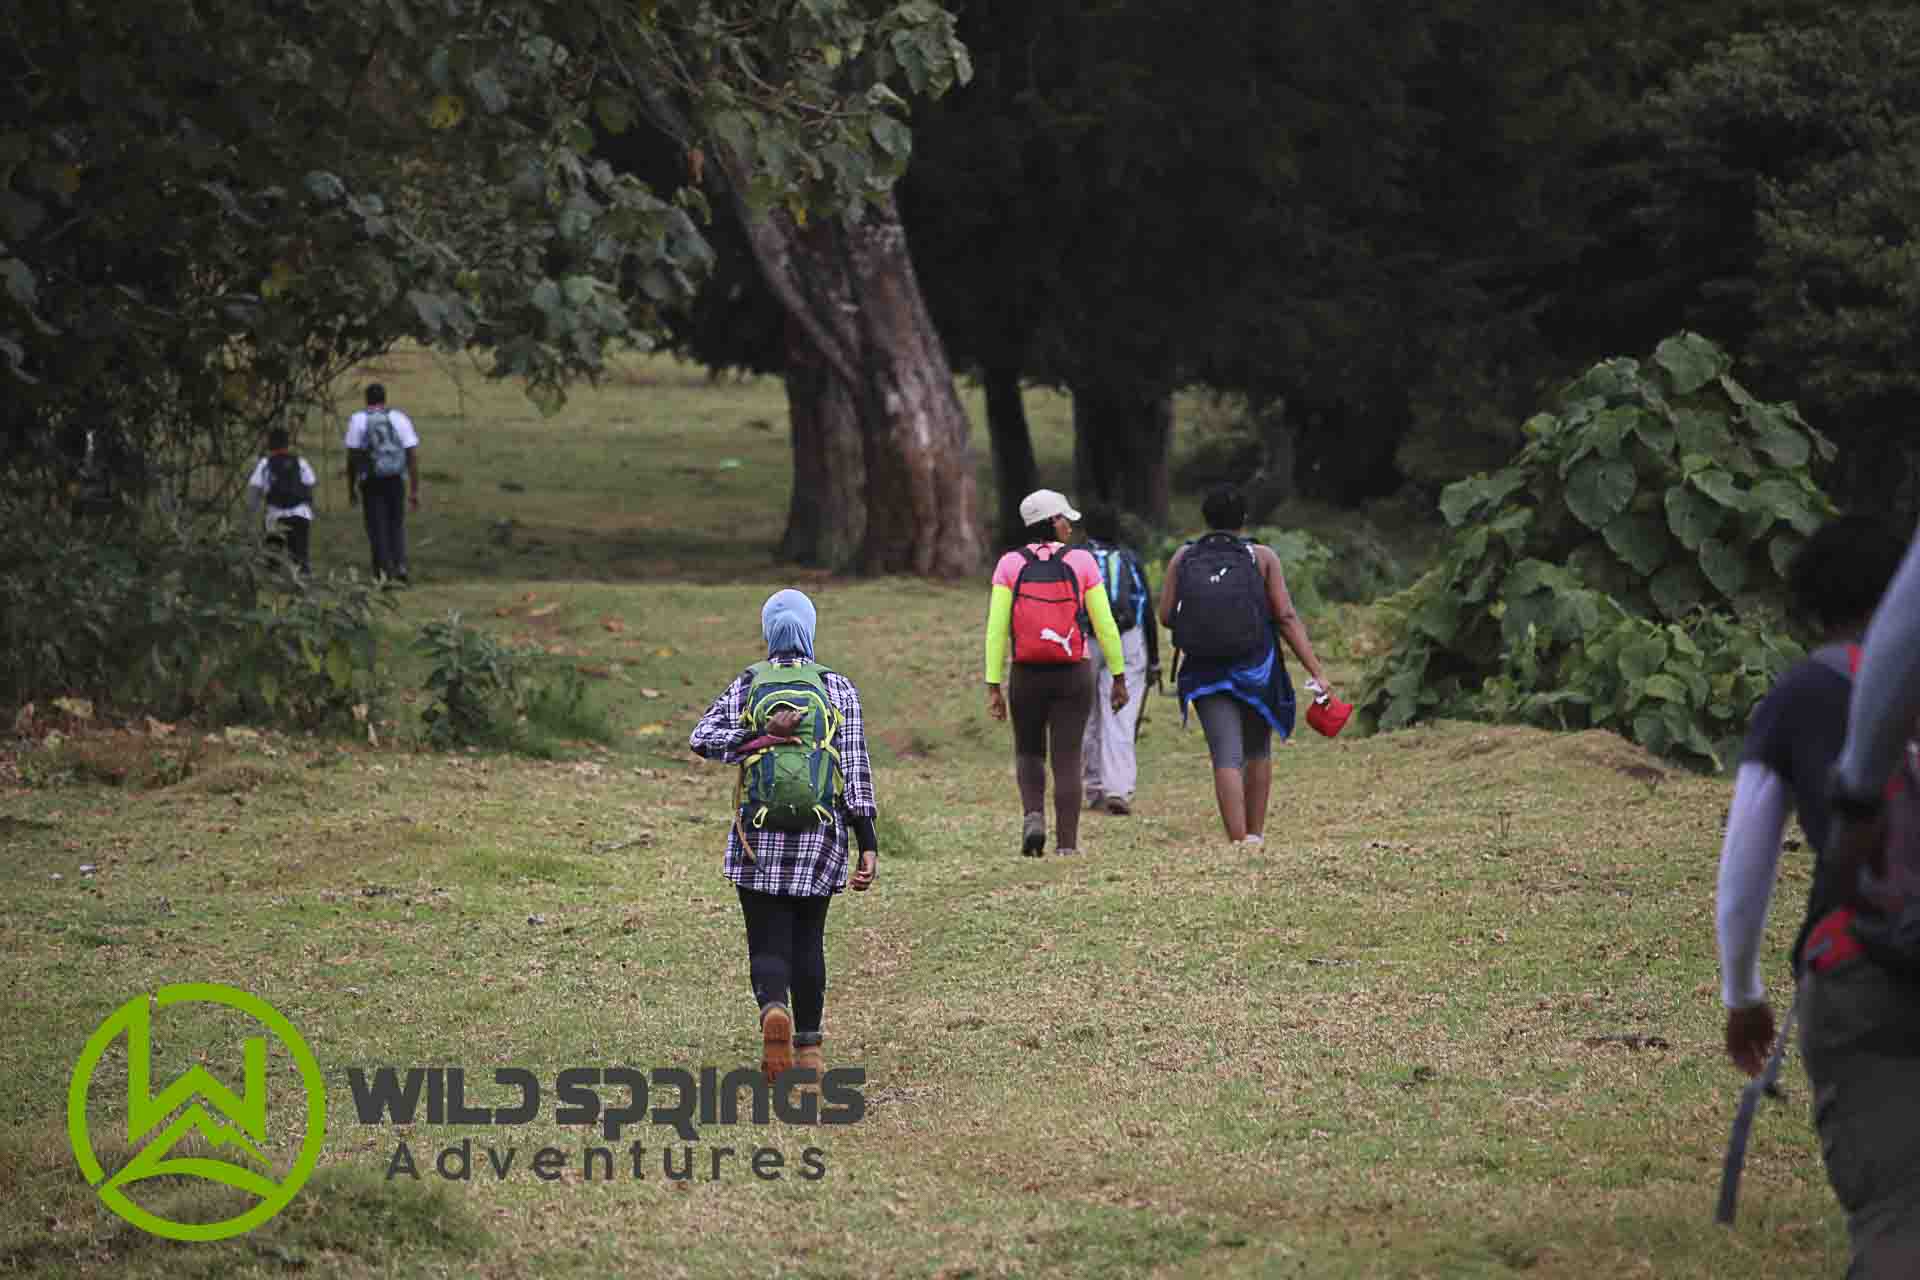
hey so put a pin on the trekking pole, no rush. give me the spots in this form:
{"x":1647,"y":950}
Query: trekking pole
{"x":1743,"y":1118}
{"x":739,"y":791}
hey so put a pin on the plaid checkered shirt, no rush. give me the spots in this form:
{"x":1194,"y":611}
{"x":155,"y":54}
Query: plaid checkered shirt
{"x":801,"y":863}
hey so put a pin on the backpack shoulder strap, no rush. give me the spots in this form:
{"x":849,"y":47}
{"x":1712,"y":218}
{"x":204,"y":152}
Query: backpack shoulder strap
{"x":1841,"y":659}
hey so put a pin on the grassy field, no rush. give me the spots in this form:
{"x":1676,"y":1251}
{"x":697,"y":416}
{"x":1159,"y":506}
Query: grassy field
{"x":1458,"y":1019}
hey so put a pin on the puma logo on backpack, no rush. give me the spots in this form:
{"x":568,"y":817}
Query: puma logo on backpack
{"x":1220,"y":608}
{"x":385,"y":454}
{"x":1046,"y":610}
{"x":792,"y":786}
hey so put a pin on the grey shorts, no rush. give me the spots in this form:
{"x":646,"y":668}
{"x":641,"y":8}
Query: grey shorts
{"x":1236,"y":733}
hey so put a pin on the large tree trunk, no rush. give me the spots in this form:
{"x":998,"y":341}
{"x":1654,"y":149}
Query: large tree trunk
{"x":1015,"y":473}
{"x":853,"y":296}
{"x":1122,"y":443}
{"x":827,"y":515}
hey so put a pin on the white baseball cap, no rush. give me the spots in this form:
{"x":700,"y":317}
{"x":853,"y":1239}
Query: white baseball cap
{"x":1044,"y":504}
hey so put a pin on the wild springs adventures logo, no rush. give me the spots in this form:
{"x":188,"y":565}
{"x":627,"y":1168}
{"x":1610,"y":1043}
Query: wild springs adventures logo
{"x":612,"y":1098}
{"x":232,"y":1129}
{"x":224,"y":1138}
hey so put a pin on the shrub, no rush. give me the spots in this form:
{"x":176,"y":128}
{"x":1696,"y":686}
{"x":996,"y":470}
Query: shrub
{"x":1626,"y":569}
{"x":309,"y":656}
{"x":474,"y":683}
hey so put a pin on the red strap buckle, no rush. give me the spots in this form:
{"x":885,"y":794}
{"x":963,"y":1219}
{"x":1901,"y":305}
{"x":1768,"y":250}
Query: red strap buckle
{"x":1831,"y":942}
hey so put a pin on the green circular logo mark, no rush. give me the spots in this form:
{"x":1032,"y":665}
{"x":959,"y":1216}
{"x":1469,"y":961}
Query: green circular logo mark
{"x":234,"y":1126}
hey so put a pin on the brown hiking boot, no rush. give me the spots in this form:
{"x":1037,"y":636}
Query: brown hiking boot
{"x":776,"y":1041}
{"x":1118,"y":807}
{"x":808,"y":1057}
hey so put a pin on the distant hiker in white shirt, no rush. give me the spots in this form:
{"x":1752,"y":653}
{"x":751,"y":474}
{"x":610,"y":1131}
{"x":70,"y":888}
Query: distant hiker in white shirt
{"x":383,"y":465}
{"x":284,"y":483}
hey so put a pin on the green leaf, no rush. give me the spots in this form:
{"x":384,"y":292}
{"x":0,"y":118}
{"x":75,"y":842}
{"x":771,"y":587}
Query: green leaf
{"x":1611,"y":427}
{"x":615,"y":112}
{"x":21,"y":286}
{"x":1719,"y":486}
{"x":1778,"y":438}
{"x":1600,"y":489}
{"x":1656,"y":433}
{"x":1702,"y":431}
{"x":269,"y":688}
{"x":891,"y":137}
{"x":1724,"y":566}
{"x":1643,"y":657}
{"x":1690,"y":361}
{"x":1782,"y":550}
{"x":1665,"y":687}
{"x":1677,"y":589}
{"x":1639,"y":540}
{"x":1693,"y":517}
{"x":340,"y":665}
{"x":1650,"y":731}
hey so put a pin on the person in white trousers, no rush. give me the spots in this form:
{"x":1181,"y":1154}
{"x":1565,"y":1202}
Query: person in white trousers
{"x":1110,"y":770}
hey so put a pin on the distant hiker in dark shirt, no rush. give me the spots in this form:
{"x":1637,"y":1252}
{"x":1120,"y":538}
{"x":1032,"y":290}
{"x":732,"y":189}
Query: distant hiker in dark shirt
{"x":1225,"y":601}
{"x":283,"y":482}
{"x":1107,"y":754}
{"x":1859,"y":1025}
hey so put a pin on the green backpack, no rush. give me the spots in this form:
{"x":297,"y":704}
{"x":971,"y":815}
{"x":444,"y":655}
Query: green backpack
{"x":794,"y":786}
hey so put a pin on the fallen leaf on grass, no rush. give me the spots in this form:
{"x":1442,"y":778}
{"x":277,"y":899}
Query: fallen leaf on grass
{"x":542,"y":611}
{"x":649,"y":693}
{"x":613,"y":624}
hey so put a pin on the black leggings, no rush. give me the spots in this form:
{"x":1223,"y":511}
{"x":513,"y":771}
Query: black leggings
{"x":787,"y":956}
{"x":1050,"y":701}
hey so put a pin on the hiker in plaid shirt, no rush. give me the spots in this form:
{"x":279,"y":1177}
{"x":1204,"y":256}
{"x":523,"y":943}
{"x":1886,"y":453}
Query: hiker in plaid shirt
{"x":788,"y":881}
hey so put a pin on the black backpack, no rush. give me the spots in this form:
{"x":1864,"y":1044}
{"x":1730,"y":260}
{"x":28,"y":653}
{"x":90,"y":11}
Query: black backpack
{"x":1220,"y":609}
{"x":285,"y":488}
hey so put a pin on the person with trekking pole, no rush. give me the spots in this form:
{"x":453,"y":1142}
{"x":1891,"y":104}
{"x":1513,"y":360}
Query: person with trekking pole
{"x":1225,"y":602}
{"x":1040,"y":592}
{"x":1859,"y":1024}
{"x":1110,"y":768}
{"x":806,"y":790}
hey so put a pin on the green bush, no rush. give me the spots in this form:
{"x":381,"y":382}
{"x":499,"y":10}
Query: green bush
{"x":474,"y":683}
{"x":1625,"y":571}
{"x":309,"y":656}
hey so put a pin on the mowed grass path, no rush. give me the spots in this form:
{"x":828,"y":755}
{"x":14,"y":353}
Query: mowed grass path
{"x":1458,"y":1019}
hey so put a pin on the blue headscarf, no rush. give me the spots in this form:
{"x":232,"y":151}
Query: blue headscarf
{"x":787,"y":619}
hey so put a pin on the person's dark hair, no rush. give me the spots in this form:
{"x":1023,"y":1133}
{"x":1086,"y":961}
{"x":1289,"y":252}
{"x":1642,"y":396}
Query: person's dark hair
{"x":1844,"y":569}
{"x":277,"y":438}
{"x":376,"y":394}
{"x":1224,"y":508}
{"x":1042,"y":531}
{"x":1101,"y":520}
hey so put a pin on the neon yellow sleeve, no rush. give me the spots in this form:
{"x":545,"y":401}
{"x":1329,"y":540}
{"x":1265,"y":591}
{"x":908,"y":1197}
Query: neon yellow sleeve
{"x":999,"y":628}
{"x":1100,"y":611}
